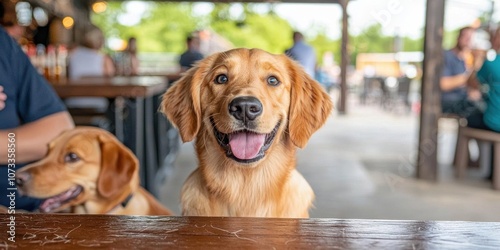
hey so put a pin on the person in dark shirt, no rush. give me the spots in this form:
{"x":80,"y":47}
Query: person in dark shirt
{"x":192,"y":54}
{"x":31,"y":115}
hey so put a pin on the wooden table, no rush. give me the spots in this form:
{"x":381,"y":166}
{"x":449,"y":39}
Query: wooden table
{"x":140,"y":90}
{"x":120,"y":86}
{"x":172,"y":76}
{"x":40,"y":231}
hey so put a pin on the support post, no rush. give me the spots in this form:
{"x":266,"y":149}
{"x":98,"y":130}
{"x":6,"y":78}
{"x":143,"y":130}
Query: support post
{"x":430,"y":102}
{"x":342,"y":109}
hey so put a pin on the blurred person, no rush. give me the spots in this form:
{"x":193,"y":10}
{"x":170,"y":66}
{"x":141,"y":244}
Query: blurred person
{"x":487,"y":79}
{"x":456,"y":96}
{"x":192,"y":54}
{"x":31,"y":114}
{"x":15,"y":30}
{"x":88,"y":60}
{"x":130,"y":59}
{"x":302,"y":53}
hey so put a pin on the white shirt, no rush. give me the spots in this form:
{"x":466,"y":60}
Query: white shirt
{"x":84,"y":62}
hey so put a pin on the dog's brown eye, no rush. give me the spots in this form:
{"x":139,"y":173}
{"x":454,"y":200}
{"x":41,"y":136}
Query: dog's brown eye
{"x":273,"y":81}
{"x":221,"y":79}
{"x":71,"y":157}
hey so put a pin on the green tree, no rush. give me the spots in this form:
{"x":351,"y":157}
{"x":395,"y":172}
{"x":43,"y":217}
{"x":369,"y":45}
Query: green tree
{"x":264,"y":31}
{"x":370,"y":40}
{"x":322,"y":44}
{"x":410,"y":44}
{"x":166,"y":27}
{"x":162,"y":28}
{"x":450,"y":38}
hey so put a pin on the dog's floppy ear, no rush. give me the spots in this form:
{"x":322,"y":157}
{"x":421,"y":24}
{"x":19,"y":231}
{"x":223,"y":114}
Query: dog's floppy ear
{"x":310,"y":105}
{"x":181,"y":103}
{"x":118,"y":166}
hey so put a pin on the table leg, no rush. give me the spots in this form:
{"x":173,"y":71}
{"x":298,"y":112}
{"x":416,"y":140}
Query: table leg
{"x":150,"y":147}
{"x":167,"y":141}
{"x":129,"y":128}
{"x":496,"y":166}
{"x":119,"y":104}
{"x":138,"y":143}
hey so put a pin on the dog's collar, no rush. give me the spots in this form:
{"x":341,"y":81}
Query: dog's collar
{"x":123,"y":204}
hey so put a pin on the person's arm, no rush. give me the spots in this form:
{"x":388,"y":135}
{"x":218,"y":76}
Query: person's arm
{"x":473,"y":84}
{"x":109,"y":66}
{"x":31,"y":139}
{"x":134,"y":61}
{"x":448,"y":83}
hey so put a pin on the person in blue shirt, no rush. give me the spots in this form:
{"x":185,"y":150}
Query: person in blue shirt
{"x":31,"y":114}
{"x":456,"y":96}
{"x":192,"y":54}
{"x":302,"y":53}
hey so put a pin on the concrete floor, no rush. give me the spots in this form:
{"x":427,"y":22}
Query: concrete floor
{"x":361,"y":165}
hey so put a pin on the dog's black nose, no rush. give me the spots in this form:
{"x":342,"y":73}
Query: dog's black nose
{"x":22,"y":178}
{"x":245,"y":108}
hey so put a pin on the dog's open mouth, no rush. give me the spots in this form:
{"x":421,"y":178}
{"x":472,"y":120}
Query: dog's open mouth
{"x":52,"y":203}
{"x":245,"y":146}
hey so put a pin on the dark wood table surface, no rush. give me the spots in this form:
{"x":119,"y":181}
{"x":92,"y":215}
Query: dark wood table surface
{"x":119,"y":86}
{"x":42,"y":231}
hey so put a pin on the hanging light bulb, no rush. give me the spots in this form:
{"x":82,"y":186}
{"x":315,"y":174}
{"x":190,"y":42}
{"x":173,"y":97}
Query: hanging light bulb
{"x":99,"y":7}
{"x":68,"y":22}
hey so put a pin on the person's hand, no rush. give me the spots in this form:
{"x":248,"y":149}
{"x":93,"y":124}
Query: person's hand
{"x":3,"y":97}
{"x":479,"y":56}
{"x":474,"y":94}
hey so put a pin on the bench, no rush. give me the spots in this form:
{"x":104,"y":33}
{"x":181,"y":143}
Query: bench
{"x":464,"y":135}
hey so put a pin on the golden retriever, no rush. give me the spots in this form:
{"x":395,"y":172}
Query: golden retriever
{"x":88,"y":171}
{"x":248,"y":111}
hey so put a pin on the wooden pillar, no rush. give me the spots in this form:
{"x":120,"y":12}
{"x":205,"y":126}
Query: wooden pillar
{"x":427,"y":164}
{"x":342,"y":108}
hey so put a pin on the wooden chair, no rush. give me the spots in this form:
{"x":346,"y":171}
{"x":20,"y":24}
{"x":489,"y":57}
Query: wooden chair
{"x":464,"y":135}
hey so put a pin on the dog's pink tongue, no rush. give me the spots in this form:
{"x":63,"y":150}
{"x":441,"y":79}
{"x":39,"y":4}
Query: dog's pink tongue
{"x":54,"y":202}
{"x":246,"y":146}
{"x":49,"y":205}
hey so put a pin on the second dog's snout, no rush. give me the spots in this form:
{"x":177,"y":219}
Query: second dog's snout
{"x":22,"y":178}
{"x":245,"y":108}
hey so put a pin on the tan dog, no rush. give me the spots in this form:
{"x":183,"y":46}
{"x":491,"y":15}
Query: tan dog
{"x":248,"y":111}
{"x":88,"y":171}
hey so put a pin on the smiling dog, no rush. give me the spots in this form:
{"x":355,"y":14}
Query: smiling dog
{"x":88,"y":171}
{"x":248,"y":111}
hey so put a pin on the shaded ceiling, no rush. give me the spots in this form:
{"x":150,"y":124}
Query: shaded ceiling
{"x":65,"y":7}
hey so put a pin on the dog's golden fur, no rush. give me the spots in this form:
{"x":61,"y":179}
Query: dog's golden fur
{"x":295,"y":106}
{"x":93,"y":159}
